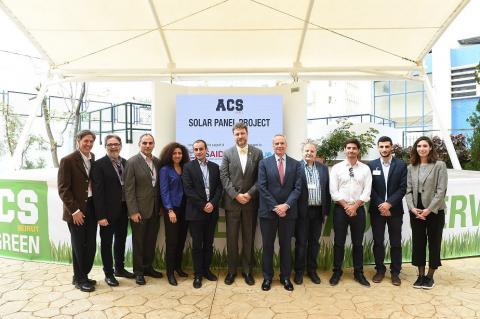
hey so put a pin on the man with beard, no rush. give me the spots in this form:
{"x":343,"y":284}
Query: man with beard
{"x":142,"y":193}
{"x":350,"y":186}
{"x":389,"y":185}
{"x":238,"y":173}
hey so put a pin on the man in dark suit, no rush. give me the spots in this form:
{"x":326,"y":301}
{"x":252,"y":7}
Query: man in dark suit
{"x":313,"y":207}
{"x":389,"y":184}
{"x":203,"y":189}
{"x":74,"y":188}
{"x":279,"y":185}
{"x":111,"y":208}
{"x":238,"y":172}
{"x":142,"y":194}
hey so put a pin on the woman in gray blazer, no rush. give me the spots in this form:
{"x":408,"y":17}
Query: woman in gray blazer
{"x":426,"y":188}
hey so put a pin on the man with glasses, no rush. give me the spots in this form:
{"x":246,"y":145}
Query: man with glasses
{"x":142,"y":194}
{"x":350,"y":185}
{"x":203,"y":189}
{"x":111,"y":209}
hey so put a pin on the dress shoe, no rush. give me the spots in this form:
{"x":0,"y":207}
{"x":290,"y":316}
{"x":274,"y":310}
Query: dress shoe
{"x":335,"y":278}
{"x":298,"y":278}
{"x":314,"y":277}
{"x":287,"y":284}
{"x":197,"y":282}
{"x":90,"y":281}
{"x":124,"y":273}
{"x":378,"y":277}
{"x":171,"y":279}
{"x":140,"y":280}
{"x":85,"y":286}
{"x":111,"y":281}
{"x":229,"y":279}
{"x":266,"y":284}
{"x":181,"y":273}
{"x":396,"y":280}
{"x":249,"y":280}
{"x":210,"y":275}
{"x":153,"y":273}
{"x":360,"y":278}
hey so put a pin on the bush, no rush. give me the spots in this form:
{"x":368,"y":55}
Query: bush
{"x":329,"y":146}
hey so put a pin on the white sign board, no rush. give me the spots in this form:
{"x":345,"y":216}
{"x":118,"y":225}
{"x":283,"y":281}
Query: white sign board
{"x":211,"y":118}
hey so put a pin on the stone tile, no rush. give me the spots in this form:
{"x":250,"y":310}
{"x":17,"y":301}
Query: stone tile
{"x":292,"y":315}
{"x":424,"y":310}
{"x":162,"y":303}
{"x":116,"y":312}
{"x":164,"y":314}
{"x":47,"y":312}
{"x":260,"y":313}
{"x":19,"y":315}
{"x":10,"y":307}
{"x":76,"y":307}
{"x":128,"y":301}
{"x":35,"y":306}
{"x":91,"y":315}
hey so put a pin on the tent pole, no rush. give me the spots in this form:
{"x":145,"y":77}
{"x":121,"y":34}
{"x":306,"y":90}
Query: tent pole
{"x":16,"y":160}
{"x":443,"y":131}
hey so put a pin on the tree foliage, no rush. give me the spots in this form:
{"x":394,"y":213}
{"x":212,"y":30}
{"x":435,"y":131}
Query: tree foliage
{"x":474,"y":140}
{"x":333,"y":143}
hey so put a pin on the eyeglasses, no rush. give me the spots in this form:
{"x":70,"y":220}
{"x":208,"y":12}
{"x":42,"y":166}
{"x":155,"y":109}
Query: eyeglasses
{"x":350,"y":172}
{"x":113,"y":145}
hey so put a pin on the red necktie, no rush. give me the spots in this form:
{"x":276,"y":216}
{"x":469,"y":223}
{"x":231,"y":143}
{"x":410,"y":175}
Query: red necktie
{"x":280,"y":170}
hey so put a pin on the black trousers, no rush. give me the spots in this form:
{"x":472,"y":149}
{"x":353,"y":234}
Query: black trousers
{"x":84,"y":244}
{"x":175,"y":235}
{"x":246,"y":220}
{"x":269,"y":228}
{"x":307,"y":234}
{"x":116,"y":229}
{"x":202,"y":232}
{"x":341,"y":222}
{"x":144,"y":243}
{"x":427,"y":231}
{"x":394,"y":223}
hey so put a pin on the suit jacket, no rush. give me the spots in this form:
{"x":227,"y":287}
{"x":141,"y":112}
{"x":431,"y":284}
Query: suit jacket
{"x":324,"y":188}
{"x":433,"y":188}
{"x":272,"y":193}
{"x":107,"y":190}
{"x":140,"y":195}
{"x":396,"y":185}
{"x":234,"y":181}
{"x":72,"y":182}
{"x":194,"y":189}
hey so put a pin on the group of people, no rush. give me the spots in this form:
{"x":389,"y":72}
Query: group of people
{"x":289,"y":198}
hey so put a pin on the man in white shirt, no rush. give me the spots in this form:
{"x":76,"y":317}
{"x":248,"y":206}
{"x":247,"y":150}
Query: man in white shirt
{"x":350,"y":186}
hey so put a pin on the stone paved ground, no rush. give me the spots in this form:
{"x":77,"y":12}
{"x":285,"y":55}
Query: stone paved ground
{"x":42,"y":290}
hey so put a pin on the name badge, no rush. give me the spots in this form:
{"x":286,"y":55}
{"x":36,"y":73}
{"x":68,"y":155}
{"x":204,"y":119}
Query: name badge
{"x":312,"y":186}
{"x":376,"y":172}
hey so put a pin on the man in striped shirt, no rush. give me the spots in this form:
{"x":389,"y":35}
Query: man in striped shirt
{"x":313,"y":208}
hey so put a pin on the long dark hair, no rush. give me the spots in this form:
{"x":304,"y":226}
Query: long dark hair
{"x":415,"y":158}
{"x":167,"y":152}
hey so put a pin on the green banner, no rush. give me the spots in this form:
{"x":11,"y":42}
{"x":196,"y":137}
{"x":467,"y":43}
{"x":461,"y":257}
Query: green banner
{"x":24,"y":219}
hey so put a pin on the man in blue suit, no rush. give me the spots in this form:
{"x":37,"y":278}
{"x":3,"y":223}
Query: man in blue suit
{"x":389,"y":183}
{"x":279,"y":185}
{"x":313,"y":207}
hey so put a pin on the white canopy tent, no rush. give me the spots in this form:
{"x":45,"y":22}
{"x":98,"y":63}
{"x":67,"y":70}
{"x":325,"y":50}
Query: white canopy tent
{"x":341,"y":39}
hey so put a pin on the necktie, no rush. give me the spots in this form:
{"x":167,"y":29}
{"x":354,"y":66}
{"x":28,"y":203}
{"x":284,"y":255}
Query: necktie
{"x":118,"y":165}
{"x":280,"y":170}
{"x":243,"y":150}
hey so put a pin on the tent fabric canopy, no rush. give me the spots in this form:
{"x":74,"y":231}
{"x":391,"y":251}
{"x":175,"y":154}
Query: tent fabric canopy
{"x":341,"y":38}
